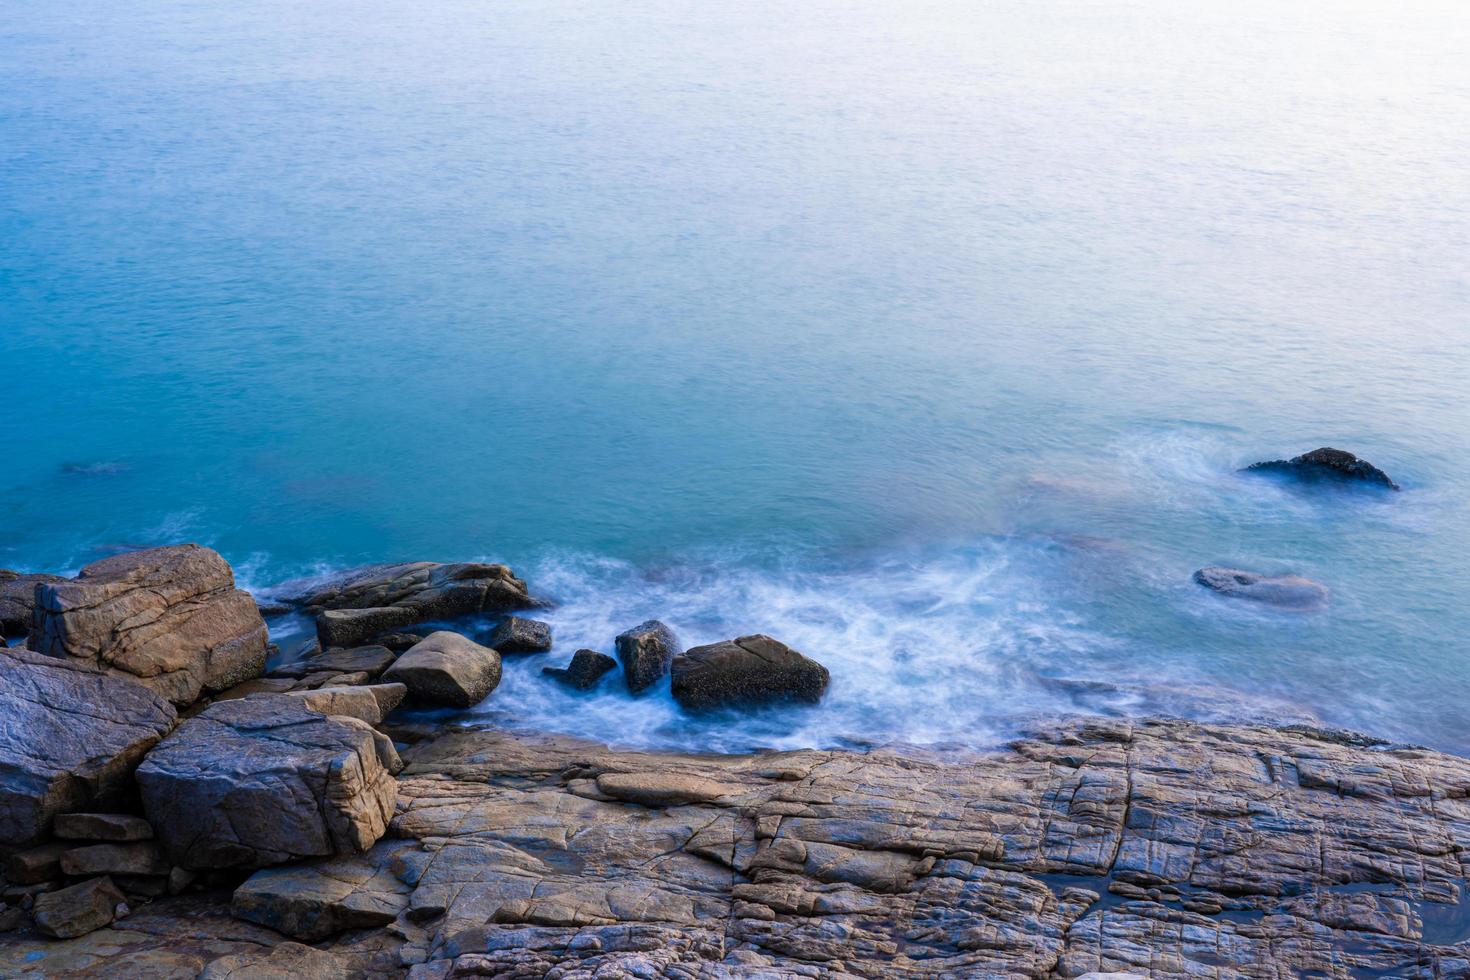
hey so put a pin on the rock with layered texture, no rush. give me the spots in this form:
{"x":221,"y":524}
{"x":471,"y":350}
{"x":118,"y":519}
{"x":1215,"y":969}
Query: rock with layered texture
{"x":102,"y":826}
{"x":80,"y":909}
{"x":70,"y":737}
{"x":1327,"y":464}
{"x":447,"y":669}
{"x":646,"y":651}
{"x":262,"y":780}
{"x":746,"y":672}
{"x":169,"y":618}
{"x":369,"y":702}
{"x":1284,"y":591}
{"x":18,"y":600}
{"x":432,"y":590}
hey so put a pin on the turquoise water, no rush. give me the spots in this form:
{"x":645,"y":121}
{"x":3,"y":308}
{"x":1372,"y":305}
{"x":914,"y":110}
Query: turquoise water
{"x":927,"y":337}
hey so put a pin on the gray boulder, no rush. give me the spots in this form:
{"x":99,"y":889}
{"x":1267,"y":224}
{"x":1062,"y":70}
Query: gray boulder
{"x":517,"y":635}
{"x":585,"y":670}
{"x":261,"y":780}
{"x":312,"y":901}
{"x":70,"y":738}
{"x":746,"y":672}
{"x":1327,"y":464}
{"x":18,"y":600}
{"x":430,"y":589}
{"x":170,"y":618}
{"x":646,"y":651}
{"x":80,"y":909}
{"x":1285,"y":591}
{"x":447,"y":669}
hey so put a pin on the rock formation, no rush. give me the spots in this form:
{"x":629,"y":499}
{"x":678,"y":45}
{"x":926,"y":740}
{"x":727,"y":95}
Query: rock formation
{"x":1285,"y":591}
{"x":646,"y":651}
{"x":170,"y":618}
{"x":585,"y":670}
{"x":447,"y":669}
{"x":18,"y":600}
{"x":746,"y":672}
{"x":517,"y":635}
{"x":1327,"y":464}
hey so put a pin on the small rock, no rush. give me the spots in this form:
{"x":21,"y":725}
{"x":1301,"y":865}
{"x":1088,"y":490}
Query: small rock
{"x":746,"y":672}
{"x":80,"y":909}
{"x":646,"y":651}
{"x":38,"y":864}
{"x":586,"y":669}
{"x":143,"y":858}
{"x":179,"y":880}
{"x":517,"y":635}
{"x":1284,"y":591}
{"x":352,"y":627}
{"x":370,"y":703}
{"x":397,"y":642}
{"x":102,"y":826}
{"x":1327,"y":464}
{"x":447,"y":669}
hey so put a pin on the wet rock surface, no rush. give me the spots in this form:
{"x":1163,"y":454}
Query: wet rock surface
{"x":518,"y":635}
{"x":1327,"y":464}
{"x":1284,"y":591}
{"x":169,"y":618}
{"x":262,"y":780}
{"x":585,"y":670}
{"x":746,"y":672}
{"x":70,"y":737}
{"x":1161,"y":849}
{"x":646,"y":652}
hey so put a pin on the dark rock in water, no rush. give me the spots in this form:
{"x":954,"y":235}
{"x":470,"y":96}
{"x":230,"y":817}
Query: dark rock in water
{"x":70,"y":737}
{"x":18,"y":600}
{"x":447,"y":669}
{"x":646,"y":651}
{"x":169,"y":618}
{"x":102,"y":826}
{"x":354,"y":627}
{"x":100,"y":468}
{"x":261,"y":780}
{"x":431,"y":590}
{"x":397,"y":642}
{"x":585,"y":670}
{"x":1286,"y":591}
{"x":80,"y":909}
{"x":517,"y":635}
{"x":270,"y":609}
{"x":1327,"y":464}
{"x":746,"y":672}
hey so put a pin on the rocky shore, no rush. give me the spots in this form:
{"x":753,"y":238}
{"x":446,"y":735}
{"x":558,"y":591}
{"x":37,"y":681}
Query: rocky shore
{"x":178,"y":800}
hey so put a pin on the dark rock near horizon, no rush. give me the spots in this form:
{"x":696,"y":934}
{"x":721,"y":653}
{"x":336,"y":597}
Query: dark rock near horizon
{"x":447,"y":669}
{"x":1286,"y":591}
{"x":646,"y":651}
{"x":18,"y":600}
{"x":1327,"y":464}
{"x":70,"y":737}
{"x":585,"y":670}
{"x":746,"y":672}
{"x":169,"y":618}
{"x":517,"y":635}
{"x":261,"y":780}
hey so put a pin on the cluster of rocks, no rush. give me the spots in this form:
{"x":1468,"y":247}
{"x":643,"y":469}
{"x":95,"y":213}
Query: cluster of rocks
{"x":1294,"y":592}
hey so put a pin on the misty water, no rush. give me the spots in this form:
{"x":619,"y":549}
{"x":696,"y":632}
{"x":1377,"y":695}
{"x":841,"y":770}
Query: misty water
{"x":926,"y":337}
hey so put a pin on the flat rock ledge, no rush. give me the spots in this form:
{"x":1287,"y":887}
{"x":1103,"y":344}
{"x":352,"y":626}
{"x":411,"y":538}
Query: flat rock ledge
{"x":1160,"y":848}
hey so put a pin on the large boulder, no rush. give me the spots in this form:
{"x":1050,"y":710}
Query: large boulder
{"x":262,"y":780}
{"x":518,"y":635}
{"x":746,"y":672}
{"x":80,"y":909}
{"x":1327,"y":464}
{"x":646,"y":651}
{"x":430,"y":589}
{"x":70,"y":738}
{"x":447,"y":669}
{"x":1285,"y":591}
{"x":354,"y":627}
{"x":171,"y":618}
{"x":18,"y":600}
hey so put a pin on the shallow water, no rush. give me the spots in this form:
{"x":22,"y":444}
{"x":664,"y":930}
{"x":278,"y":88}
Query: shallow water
{"x":927,"y":337}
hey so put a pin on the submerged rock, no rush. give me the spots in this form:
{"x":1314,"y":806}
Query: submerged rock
{"x":746,"y":672}
{"x":261,"y":780}
{"x":517,"y":635}
{"x":18,"y":600}
{"x":448,"y":669}
{"x":1327,"y":464}
{"x":170,"y":618}
{"x":70,"y":737}
{"x":1285,"y":591}
{"x":646,"y":652}
{"x":585,"y":670}
{"x":80,"y":909}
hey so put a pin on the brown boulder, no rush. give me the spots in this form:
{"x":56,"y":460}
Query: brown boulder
{"x":80,"y":909}
{"x":746,"y":672}
{"x":447,"y":669}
